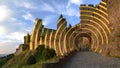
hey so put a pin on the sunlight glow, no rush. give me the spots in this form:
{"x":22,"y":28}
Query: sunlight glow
{"x":4,"y":12}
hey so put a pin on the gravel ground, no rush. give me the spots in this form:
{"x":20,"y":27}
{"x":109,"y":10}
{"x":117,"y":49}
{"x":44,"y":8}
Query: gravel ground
{"x":92,"y":60}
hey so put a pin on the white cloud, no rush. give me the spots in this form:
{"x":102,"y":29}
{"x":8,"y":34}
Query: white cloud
{"x":16,"y":21}
{"x":24,"y":4}
{"x":76,"y":2}
{"x":47,"y":20}
{"x":58,"y":7}
{"x":71,"y":12}
{"x":13,"y":37}
{"x":66,"y":10}
{"x":28,"y":16}
{"x":18,"y":36}
{"x":2,"y":30}
{"x":13,"y":19}
{"x":8,"y":47}
{"x":4,"y":12}
{"x":28,"y":5}
{"x":9,"y":38}
{"x":46,"y":7}
{"x":17,"y":28}
{"x":3,"y":52}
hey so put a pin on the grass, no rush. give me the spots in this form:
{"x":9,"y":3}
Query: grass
{"x":4,"y":59}
{"x":39,"y":64}
{"x":20,"y":61}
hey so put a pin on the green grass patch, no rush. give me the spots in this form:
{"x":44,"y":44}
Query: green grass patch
{"x":40,"y":55}
{"x":4,"y":59}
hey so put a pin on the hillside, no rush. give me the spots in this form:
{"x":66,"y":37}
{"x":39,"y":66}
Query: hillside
{"x":18,"y":61}
{"x":4,"y":59}
{"x":23,"y":60}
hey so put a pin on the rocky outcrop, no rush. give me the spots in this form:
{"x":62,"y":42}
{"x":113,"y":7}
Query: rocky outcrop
{"x":18,"y":50}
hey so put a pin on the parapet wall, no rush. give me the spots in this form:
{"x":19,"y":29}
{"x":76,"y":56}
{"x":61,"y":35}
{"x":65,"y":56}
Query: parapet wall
{"x":95,"y":19}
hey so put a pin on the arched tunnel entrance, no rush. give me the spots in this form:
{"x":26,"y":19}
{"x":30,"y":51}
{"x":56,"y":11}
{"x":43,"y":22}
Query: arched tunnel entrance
{"x":83,"y":41}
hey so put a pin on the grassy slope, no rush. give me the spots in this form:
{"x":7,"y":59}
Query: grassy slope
{"x":20,"y":61}
{"x":39,"y":63}
{"x":4,"y":59}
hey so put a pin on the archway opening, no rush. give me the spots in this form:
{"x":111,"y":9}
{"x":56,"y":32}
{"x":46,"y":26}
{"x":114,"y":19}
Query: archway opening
{"x":83,"y":42}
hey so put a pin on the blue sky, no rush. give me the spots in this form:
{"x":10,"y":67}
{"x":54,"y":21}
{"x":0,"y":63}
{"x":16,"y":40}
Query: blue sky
{"x":17,"y":18}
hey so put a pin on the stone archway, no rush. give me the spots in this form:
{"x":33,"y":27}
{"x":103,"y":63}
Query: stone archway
{"x":83,"y":41}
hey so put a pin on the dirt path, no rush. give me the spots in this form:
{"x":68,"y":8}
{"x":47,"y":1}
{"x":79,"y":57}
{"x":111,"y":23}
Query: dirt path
{"x":92,"y":60}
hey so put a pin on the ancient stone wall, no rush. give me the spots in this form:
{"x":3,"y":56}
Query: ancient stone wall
{"x":94,"y":25}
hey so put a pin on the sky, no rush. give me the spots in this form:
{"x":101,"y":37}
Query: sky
{"x":17,"y":18}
